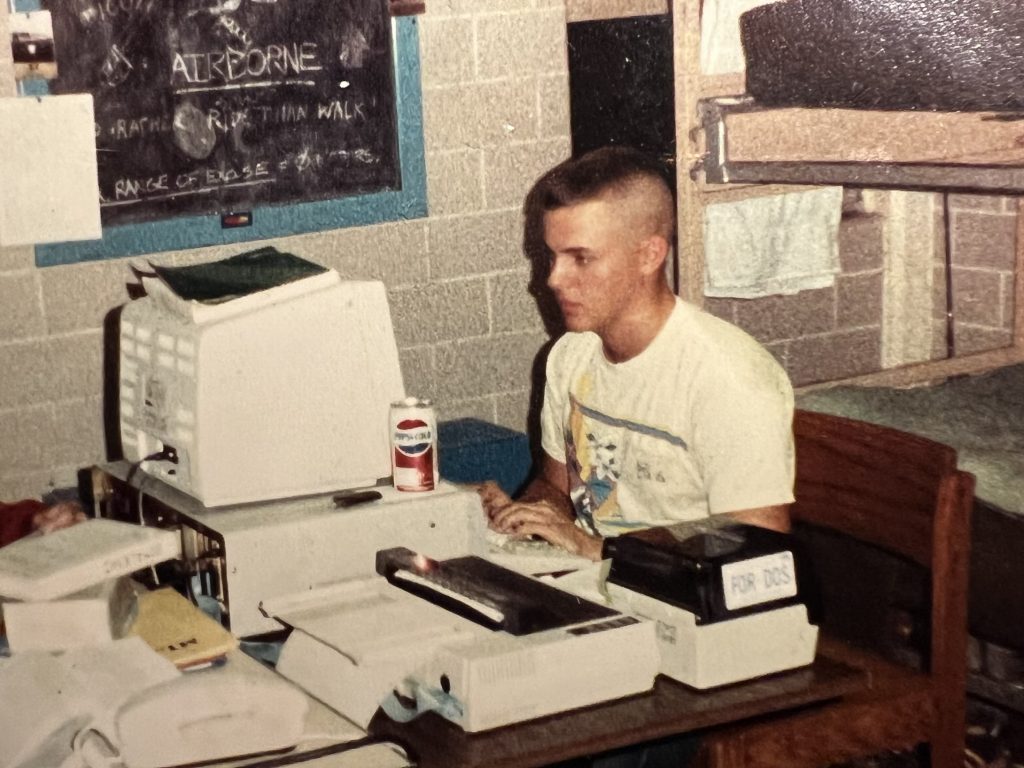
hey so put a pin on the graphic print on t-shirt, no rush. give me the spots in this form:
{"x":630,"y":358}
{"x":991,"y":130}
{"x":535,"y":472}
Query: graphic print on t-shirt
{"x":597,"y":449}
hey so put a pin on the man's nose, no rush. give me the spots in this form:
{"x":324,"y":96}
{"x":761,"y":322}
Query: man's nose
{"x":556,"y":274}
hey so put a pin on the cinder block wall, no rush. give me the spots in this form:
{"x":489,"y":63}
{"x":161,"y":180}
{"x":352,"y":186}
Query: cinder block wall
{"x":825,"y":333}
{"x":834,"y":333}
{"x":984,"y":242}
{"x":496,"y":116}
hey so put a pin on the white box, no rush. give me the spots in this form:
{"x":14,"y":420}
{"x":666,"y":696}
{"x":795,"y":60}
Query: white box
{"x":97,"y":614}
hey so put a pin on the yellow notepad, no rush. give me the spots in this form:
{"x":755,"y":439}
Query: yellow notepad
{"x":180,"y":631}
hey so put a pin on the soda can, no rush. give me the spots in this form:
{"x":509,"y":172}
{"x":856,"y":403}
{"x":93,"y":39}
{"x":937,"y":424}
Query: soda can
{"x":413,"y":444}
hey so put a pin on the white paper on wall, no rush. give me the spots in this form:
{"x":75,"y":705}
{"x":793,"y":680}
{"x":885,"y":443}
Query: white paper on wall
{"x":49,"y":192}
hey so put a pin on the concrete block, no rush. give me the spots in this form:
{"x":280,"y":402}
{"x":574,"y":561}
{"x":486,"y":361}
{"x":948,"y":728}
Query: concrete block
{"x":455,"y":182}
{"x":511,"y":171}
{"x":79,"y":296}
{"x":78,"y":432}
{"x":969,"y":339}
{"x":519,"y":44}
{"x":860,"y":243}
{"x":976,"y":297}
{"x":480,"y":114}
{"x":475,"y":6}
{"x":960,"y":202}
{"x":513,"y":307}
{"x":553,"y":96}
{"x":28,"y":378}
{"x":446,"y":50}
{"x":723,"y":308}
{"x":28,"y":485}
{"x":982,"y":239}
{"x":29,"y":439}
{"x":418,"y":371}
{"x":75,"y":362}
{"x":469,"y":408}
{"x":21,"y":312}
{"x":439,"y":312}
{"x":17,"y":257}
{"x":859,"y":300}
{"x":514,"y":409}
{"x":787,"y":317}
{"x":493,"y":365}
{"x":395,"y":253}
{"x":475,"y":244}
{"x":834,"y":356}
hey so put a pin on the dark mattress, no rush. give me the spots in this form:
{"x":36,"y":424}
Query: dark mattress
{"x":981,"y":416}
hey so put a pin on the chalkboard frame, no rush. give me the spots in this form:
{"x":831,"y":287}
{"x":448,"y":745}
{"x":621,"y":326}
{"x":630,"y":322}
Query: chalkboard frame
{"x":272,"y":221}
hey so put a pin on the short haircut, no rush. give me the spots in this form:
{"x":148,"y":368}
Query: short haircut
{"x":608,"y":171}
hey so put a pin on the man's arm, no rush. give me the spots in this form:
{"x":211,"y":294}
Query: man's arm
{"x":775,"y":517}
{"x":543,"y":509}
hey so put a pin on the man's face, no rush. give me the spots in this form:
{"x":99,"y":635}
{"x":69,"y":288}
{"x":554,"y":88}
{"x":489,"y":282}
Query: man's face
{"x":594,"y":270}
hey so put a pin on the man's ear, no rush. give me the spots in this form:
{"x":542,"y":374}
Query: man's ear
{"x":653,"y":251}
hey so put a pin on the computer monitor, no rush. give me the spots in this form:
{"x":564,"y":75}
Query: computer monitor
{"x":258,"y":377}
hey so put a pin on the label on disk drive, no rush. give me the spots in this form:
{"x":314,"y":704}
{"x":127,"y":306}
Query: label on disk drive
{"x":758,"y":580}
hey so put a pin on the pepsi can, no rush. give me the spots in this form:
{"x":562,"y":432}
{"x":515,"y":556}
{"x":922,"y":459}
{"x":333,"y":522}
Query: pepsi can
{"x":413,"y":445}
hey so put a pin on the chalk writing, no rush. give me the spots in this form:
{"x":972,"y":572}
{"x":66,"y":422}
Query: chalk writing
{"x":229,"y":65}
{"x":113,"y":9}
{"x":204,"y":106}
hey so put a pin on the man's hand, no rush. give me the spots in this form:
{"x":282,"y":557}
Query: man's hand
{"x":62,"y":515}
{"x":542,"y":518}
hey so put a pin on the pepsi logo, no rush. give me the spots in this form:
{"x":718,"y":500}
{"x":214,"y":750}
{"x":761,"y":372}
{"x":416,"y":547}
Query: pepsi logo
{"x":413,"y":437}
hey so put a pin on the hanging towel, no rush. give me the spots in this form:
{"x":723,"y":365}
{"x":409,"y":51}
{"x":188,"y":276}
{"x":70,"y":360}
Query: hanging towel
{"x":776,"y":244}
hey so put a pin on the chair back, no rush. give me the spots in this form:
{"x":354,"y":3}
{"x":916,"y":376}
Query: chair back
{"x":901,"y":493}
{"x":874,"y":483}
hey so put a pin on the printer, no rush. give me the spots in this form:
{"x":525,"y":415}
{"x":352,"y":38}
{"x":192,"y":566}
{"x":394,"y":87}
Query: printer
{"x":726,"y":598}
{"x":480,"y":644}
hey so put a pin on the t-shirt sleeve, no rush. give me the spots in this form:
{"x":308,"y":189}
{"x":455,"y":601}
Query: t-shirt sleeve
{"x":552,"y":414}
{"x":745,"y":445}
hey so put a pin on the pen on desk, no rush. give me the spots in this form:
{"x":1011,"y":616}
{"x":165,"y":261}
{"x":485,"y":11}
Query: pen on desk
{"x":351,"y":498}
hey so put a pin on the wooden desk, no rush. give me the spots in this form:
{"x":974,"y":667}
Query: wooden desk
{"x":670,"y":708}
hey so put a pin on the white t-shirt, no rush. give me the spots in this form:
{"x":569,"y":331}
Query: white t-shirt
{"x":699,"y":423}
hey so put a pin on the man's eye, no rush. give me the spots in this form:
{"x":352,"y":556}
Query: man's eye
{"x":583,"y":259}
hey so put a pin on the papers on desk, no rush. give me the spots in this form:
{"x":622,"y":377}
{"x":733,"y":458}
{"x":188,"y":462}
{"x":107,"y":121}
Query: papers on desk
{"x":45,"y":698}
{"x":132,"y":704}
{"x":69,"y":560}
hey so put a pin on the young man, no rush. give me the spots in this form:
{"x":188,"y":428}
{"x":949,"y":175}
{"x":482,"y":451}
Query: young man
{"x":654,"y":411}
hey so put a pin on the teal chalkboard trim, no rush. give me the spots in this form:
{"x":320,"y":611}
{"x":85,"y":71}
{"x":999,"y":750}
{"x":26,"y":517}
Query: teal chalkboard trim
{"x":280,"y":221}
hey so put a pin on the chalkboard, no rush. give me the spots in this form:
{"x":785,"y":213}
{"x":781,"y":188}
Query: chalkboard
{"x":209,"y":106}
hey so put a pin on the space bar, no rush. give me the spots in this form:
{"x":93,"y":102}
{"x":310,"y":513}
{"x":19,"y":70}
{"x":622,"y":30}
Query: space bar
{"x":482,"y":608}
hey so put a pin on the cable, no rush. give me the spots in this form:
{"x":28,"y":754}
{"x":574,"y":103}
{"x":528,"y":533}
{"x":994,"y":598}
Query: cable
{"x":95,"y":750}
{"x":948,"y":257}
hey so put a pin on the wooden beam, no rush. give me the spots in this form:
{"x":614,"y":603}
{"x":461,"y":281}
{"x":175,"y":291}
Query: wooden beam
{"x":924,"y":373}
{"x":852,"y":135}
{"x":1018,"y":282}
{"x":689,"y":149}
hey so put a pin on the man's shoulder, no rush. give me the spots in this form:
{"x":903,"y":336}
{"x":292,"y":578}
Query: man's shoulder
{"x":572,"y":346}
{"x":721,"y":348}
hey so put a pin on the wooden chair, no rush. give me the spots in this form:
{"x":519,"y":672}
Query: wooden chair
{"x":903,"y":494}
